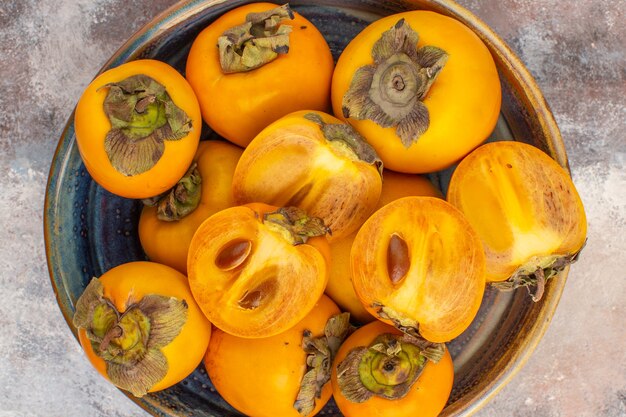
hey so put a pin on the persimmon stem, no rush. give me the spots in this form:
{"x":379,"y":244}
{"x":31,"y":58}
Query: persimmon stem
{"x":537,"y":272}
{"x":320,"y":354}
{"x":180,"y":200}
{"x":387,"y":368}
{"x":355,"y":146}
{"x":113,"y":333}
{"x":295,"y":225}
{"x":256,"y":42}
{"x":143,"y":116}
{"x":541,"y":285}
{"x":130,"y":343}
{"x":391,"y":90}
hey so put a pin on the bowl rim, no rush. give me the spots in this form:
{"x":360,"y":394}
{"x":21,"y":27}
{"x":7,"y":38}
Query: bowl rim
{"x":185,"y":9}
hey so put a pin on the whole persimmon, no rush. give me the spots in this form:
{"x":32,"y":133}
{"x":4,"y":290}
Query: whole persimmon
{"x":140,"y":327}
{"x":526,"y":210}
{"x":421,"y":87}
{"x":285,"y":375}
{"x":256,"y":270}
{"x":137,"y":128}
{"x":316,"y":162}
{"x":395,"y":185}
{"x":382,"y":372}
{"x":255,"y":64}
{"x":418,"y":265}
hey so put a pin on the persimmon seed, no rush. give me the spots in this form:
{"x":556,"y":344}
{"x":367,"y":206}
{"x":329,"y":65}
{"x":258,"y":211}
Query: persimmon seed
{"x":250,"y":300}
{"x":233,"y":255}
{"x":398,"y":261}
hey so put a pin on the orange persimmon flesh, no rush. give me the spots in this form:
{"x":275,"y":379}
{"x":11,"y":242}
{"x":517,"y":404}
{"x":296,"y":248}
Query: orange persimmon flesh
{"x":291,"y":162}
{"x":250,"y":280}
{"x":523,"y":205}
{"x":395,"y":185}
{"x":418,"y":264}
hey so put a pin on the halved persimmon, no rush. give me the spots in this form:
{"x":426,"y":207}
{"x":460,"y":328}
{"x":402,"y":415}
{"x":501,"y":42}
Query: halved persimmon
{"x":382,"y":372}
{"x":526,"y":210}
{"x":395,"y":185}
{"x":418,"y":264}
{"x":257,"y":270}
{"x":286,"y":375}
{"x":314,"y":161}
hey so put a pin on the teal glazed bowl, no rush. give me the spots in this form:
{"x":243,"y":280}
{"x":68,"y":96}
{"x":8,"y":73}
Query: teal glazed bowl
{"x":89,"y":230}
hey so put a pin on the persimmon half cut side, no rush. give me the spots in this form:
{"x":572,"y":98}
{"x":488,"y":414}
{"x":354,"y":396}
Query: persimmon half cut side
{"x":314,"y":161}
{"x":526,"y":210}
{"x":251,"y":275}
{"x":395,"y":185}
{"x":417,"y":264}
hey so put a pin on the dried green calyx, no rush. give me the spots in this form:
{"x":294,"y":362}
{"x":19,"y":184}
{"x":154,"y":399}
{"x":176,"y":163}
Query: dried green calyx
{"x":130,"y":342}
{"x":390,"y":91}
{"x":400,"y":322}
{"x":142,"y":117}
{"x":256,"y":42}
{"x":387,"y":368}
{"x":321,"y":352}
{"x":295,"y":225}
{"x":536,"y":272}
{"x":343,"y":135}
{"x":182,"y":199}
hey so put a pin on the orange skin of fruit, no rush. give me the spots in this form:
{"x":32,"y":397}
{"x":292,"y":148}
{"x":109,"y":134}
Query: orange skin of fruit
{"x":261,"y":377}
{"x":529,"y":207}
{"x":168,"y":242}
{"x":137,"y":279}
{"x":238,"y":106}
{"x":426,"y":398}
{"x":92,"y":126}
{"x":463,"y":102}
{"x":290,"y":278}
{"x":339,"y":288}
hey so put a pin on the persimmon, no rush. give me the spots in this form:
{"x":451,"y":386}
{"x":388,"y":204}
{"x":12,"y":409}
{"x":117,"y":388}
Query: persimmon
{"x":526,"y":210}
{"x":339,"y":287}
{"x":283,"y":375}
{"x":421,"y":87}
{"x":417,"y":264}
{"x":137,"y":128}
{"x":141,"y":328}
{"x":314,"y":161}
{"x":382,"y":372}
{"x":167,"y":226}
{"x":255,"y":64}
{"x":257,"y":270}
